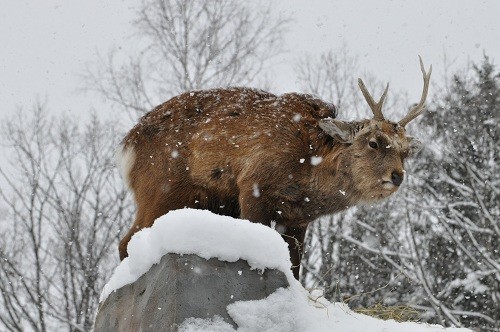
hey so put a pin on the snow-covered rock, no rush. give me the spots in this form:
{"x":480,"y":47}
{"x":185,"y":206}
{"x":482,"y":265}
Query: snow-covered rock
{"x":219,"y":239}
{"x":184,"y":286}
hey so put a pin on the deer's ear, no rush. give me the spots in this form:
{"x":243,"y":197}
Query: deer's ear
{"x":414,"y":145}
{"x":344,"y":131}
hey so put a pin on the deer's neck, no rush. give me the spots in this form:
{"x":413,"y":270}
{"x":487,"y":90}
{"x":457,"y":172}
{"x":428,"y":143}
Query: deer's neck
{"x":331,"y":181}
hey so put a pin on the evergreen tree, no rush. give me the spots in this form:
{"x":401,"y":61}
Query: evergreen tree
{"x":434,"y":246}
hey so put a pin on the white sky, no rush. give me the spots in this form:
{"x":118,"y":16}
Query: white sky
{"x":45,"y":44}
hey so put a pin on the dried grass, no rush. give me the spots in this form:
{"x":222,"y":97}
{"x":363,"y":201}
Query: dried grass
{"x":400,"y":313}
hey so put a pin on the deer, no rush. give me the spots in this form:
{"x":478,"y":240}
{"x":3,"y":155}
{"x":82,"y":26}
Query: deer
{"x":279,"y":160}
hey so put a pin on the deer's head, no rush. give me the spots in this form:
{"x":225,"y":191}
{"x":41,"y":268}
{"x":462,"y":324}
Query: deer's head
{"x":377,"y":147}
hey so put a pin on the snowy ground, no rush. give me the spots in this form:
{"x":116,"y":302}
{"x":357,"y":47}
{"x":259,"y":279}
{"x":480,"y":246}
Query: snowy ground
{"x":208,"y":235}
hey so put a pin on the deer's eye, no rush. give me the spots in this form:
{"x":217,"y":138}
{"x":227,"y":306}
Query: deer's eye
{"x":373,"y":144}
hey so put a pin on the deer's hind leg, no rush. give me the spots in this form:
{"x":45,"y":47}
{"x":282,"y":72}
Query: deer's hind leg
{"x":151,"y":206}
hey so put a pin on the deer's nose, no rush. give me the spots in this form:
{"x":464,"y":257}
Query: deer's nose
{"x":397,"y":178}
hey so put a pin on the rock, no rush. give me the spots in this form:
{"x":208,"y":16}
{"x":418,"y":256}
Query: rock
{"x":184,"y":286}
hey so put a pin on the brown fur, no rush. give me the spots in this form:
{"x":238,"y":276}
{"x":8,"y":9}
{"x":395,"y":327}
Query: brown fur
{"x":247,"y":153}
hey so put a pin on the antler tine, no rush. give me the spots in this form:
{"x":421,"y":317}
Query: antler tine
{"x":419,"y":108}
{"x":375,"y":107}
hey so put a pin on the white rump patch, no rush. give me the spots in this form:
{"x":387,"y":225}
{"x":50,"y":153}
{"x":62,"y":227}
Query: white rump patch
{"x":125,"y":158}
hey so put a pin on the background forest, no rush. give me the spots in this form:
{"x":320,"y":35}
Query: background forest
{"x":433,"y":247}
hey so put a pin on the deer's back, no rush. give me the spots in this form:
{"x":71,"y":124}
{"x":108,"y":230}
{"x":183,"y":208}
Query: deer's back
{"x":212,"y":139}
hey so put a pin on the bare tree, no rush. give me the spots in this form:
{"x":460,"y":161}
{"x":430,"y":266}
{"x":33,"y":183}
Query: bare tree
{"x":65,"y":206}
{"x":64,"y":203}
{"x":189,"y":45}
{"x":333,"y":76}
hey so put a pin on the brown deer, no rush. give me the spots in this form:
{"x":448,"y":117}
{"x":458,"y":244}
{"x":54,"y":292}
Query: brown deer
{"x":276,"y":160}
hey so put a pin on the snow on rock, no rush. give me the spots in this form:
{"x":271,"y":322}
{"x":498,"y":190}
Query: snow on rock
{"x":208,"y":235}
{"x":200,"y":232}
{"x":294,"y":309}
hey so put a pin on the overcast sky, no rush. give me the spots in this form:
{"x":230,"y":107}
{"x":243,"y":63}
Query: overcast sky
{"x":45,"y":44}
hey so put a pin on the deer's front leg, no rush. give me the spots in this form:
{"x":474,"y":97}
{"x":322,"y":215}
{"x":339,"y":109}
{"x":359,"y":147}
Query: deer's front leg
{"x":294,"y":236}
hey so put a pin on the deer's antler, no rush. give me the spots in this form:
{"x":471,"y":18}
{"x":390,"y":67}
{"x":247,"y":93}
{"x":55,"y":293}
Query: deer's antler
{"x":419,"y":108}
{"x":376,"y":107}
